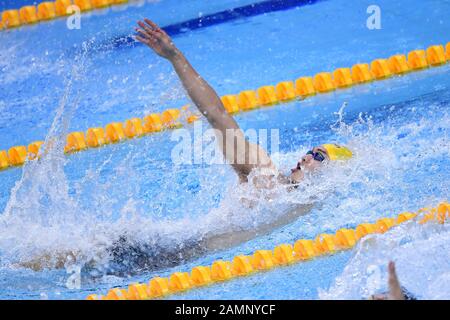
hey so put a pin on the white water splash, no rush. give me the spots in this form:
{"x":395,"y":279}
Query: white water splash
{"x":348,"y":193}
{"x":422,"y":257}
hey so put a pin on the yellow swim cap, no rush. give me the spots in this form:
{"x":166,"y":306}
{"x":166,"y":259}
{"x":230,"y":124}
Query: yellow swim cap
{"x":337,"y":152}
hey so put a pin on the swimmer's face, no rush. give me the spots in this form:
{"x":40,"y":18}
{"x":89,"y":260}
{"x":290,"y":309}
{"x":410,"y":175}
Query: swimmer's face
{"x":307,"y":163}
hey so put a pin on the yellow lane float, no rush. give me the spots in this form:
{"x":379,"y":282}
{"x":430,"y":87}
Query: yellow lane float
{"x":304,"y":249}
{"x":398,"y":64}
{"x":221,"y":270}
{"x":4,"y":162}
{"x":153,"y":123}
{"x":75,"y":141}
{"x":266,"y":95}
{"x":345,"y":238}
{"x":417,"y":60}
{"x":436,"y":55}
{"x":380,"y":69}
{"x":95,"y":137}
{"x":304,"y":86}
{"x":28,"y":14}
{"x":447,"y":51}
{"x":323,"y":82}
{"x":361,"y":73}
{"x":342,"y":77}
{"x":201,"y":276}
{"x":325,"y":243}
{"x":11,"y":18}
{"x":283,"y":254}
{"x":364,"y":229}
{"x":49,"y":10}
{"x":97,"y":4}
{"x":138,"y":291}
{"x":158,"y":287}
{"x":114,"y":132}
{"x":17,"y":155}
{"x":61,"y":7}
{"x":170,"y":118}
{"x":46,"y":11}
{"x":230,"y":103}
{"x":33,"y":149}
{"x":241,"y":265}
{"x":262,"y":260}
{"x":285,"y":91}
{"x":133,"y":128}
{"x":84,"y":5}
{"x":179,"y":281}
{"x":247,"y":100}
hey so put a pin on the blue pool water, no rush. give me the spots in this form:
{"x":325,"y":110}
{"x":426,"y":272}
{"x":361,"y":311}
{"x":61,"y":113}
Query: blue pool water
{"x":55,"y":80}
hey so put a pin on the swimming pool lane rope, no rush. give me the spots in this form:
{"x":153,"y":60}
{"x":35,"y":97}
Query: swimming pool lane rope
{"x":264,"y":260}
{"x":49,"y":10}
{"x":247,"y":100}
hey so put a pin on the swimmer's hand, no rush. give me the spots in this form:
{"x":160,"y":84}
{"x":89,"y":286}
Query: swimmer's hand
{"x":395,"y":290}
{"x":157,"y":39}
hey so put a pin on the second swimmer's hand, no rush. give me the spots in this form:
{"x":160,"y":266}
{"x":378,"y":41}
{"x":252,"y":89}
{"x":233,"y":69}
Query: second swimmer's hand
{"x":156,"y":38}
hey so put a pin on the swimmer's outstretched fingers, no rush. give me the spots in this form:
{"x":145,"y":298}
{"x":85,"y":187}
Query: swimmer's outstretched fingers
{"x":156,"y":38}
{"x":154,"y":25}
{"x":149,"y":30}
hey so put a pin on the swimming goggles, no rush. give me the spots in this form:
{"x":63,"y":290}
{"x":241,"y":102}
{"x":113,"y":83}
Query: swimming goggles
{"x":318,"y":156}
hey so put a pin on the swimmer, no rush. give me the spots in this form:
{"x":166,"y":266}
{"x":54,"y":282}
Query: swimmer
{"x":243,"y":155}
{"x":246,"y":158}
{"x":396,"y":291}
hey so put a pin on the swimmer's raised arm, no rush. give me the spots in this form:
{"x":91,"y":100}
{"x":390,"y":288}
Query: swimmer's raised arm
{"x":241,"y":154}
{"x":201,"y":93}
